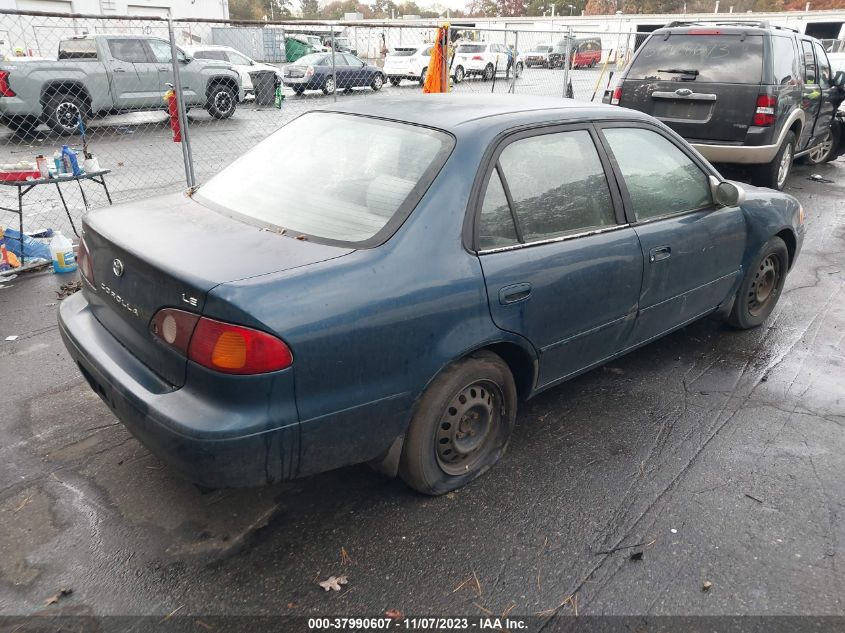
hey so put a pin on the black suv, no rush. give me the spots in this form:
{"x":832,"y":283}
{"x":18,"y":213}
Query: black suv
{"x":740,"y":92}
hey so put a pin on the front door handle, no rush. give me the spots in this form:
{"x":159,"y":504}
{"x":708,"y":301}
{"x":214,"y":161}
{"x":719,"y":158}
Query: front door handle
{"x":661,"y":252}
{"x":164,"y":69}
{"x":118,"y":70}
{"x":514,"y":293}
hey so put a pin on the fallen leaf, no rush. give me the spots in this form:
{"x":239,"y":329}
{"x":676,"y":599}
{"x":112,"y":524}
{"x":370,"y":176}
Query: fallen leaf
{"x":291,"y":605}
{"x":301,"y":238}
{"x":636,"y":556}
{"x":394,"y":614}
{"x":333,"y":583}
{"x":61,"y":594}
{"x":345,"y":558}
{"x":706,"y":585}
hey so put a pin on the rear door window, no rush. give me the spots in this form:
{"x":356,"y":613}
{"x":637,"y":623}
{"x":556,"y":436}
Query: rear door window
{"x":701,"y":58}
{"x":810,"y":75}
{"x":496,"y":227}
{"x":129,"y":50}
{"x":823,"y":65}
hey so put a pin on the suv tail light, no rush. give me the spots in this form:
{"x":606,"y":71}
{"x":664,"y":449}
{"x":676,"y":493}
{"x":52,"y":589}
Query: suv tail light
{"x":5,"y":90}
{"x":764,"y":115}
{"x":616,"y":97}
{"x":309,"y":71}
{"x":477,"y":58}
{"x":223,"y":347}
{"x":83,"y":259}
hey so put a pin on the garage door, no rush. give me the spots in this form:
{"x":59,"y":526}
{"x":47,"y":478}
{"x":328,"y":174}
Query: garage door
{"x":137,"y":9}
{"x":59,"y":6}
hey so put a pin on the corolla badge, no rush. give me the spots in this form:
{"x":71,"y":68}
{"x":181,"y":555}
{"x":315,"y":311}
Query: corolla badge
{"x":117,"y":268}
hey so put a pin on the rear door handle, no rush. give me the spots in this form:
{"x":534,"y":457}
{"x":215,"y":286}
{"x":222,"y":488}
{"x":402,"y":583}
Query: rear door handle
{"x":514,"y":293}
{"x":661,"y":252}
{"x":164,"y":68}
{"x":118,"y":70}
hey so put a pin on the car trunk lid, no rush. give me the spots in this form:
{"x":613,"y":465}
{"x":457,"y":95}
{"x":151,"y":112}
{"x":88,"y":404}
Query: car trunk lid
{"x":170,"y":253}
{"x":702,"y":83}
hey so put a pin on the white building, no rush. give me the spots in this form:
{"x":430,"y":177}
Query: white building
{"x":214,"y":9}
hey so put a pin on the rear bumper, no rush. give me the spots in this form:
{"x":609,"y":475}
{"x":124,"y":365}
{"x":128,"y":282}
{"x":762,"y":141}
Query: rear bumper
{"x":742,"y":154}
{"x":15,"y":106}
{"x":236,"y":437}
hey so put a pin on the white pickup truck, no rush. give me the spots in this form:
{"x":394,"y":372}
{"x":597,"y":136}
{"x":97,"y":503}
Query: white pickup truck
{"x":109,"y":74}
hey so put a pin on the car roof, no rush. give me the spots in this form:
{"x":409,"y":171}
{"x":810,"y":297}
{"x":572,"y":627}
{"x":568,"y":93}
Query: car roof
{"x":725,"y":27}
{"x":452,"y":111}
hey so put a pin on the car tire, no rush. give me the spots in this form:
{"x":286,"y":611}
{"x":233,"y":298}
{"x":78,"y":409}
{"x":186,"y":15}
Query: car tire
{"x":761,"y":287}
{"x":460,"y":74}
{"x":395,"y":81}
{"x":461,"y":425}
{"x":329,"y":86}
{"x":298,"y":91}
{"x":222,"y":101}
{"x":61,"y":113}
{"x":22,"y":126}
{"x":377,"y":82}
{"x":423,"y":73}
{"x":489,"y":71}
{"x":518,"y":71}
{"x":826,"y":150}
{"x":774,"y":174}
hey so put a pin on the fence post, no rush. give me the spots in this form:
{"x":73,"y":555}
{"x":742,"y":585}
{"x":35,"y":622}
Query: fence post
{"x":334,"y":68}
{"x":180,"y":107}
{"x":515,"y":58}
{"x":566,"y":62}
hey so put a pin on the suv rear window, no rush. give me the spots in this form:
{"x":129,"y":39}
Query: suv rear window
{"x":403,"y":52}
{"x":351,"y":179}
{"x":77,"y":49}
{"x":471,"y":48}
{"x":732,"y":59}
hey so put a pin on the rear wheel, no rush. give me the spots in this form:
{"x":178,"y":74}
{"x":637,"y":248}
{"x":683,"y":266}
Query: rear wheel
{"x":824,"y":151}
{"x":221,"y":101}
{"x":461,"y":425}
{"x":395,"y":81}
{"x":488,"y":73}
{"x":329,"y":86}
{"x":460,"y":74}
{"x":377,"y":82}
{"x":422,"y":75}
{"x":761,"y":288}
{"x":298,"y":91}
{"x":519,"y":69}
{"x":62,"y":113}
{"x":775,"y":173}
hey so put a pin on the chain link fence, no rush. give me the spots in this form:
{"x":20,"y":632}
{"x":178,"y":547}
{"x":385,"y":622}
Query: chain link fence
{"x":235,"y":83}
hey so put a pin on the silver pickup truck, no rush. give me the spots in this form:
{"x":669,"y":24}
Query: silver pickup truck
{"x":109,"y":74}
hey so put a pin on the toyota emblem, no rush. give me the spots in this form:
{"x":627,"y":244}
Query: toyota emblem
{"x":683,"y":92}
{"x":117,"y":268}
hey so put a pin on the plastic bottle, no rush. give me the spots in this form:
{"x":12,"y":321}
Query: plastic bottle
{"x":70,"y":162}
{"x":61,"y":250}
{"x":57,"y":161}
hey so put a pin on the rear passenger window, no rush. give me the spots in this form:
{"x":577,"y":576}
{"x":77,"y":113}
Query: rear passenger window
{"x":132,"y":51}
{"x":496,"y":227}
{"x":784,"y":60}
{"x":557,"y":185}
{"x":823,"y":66}
{"x":660,"y":178}
{"x":809,"y":63}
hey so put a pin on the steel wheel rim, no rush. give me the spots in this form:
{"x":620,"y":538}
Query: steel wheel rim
{"x":785,"y":164}
{"x":468,"y":427}
{"x":821,"y":150}
{"x":765,"y":285}
{"x":67,"y":114}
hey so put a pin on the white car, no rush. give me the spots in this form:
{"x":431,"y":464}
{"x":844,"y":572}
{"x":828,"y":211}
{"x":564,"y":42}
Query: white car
{"x":240,"y":62}
{"x":483,"y":59}
{"x":407,"y":62}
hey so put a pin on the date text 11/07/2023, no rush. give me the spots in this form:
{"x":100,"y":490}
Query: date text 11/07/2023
{"x":485,"y":623}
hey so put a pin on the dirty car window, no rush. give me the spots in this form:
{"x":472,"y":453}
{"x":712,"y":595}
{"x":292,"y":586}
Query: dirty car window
{"x":331,"y":176}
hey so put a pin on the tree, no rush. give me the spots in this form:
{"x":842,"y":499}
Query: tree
{"x":510,"y":8}
{"x":245,"y":10}
{"x":600,"y":7}
{"x":309,"y":8}
{"x":409,"y":7}
{"x":482,"y":8}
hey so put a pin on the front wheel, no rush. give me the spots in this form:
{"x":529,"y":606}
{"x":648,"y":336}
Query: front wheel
{"x":377,"y":82}
{"x":761,"y":287}
{"x":460,"y":74}
{"x":461,"y":425}
{"x":775,"y":173}
{"x":221,"y":102}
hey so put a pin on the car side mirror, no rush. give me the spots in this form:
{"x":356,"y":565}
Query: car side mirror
{"x":186,"y":59}
{"x":726,"y":193}
{"x":839,"y":79}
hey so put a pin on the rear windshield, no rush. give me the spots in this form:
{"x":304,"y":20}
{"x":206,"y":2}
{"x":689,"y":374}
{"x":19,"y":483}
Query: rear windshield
{"x":403,"y":52}
{"x":77,"y":49}
{"x":701,"y":58}
{"x":336,"y":177}
{"x":471,"y":48}
{"x":314,"y":59}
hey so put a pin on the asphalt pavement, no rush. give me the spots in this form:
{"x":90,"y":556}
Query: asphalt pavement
{"x":699,"y":475}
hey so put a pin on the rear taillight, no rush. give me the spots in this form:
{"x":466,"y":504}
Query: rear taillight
{"x":223,"y":347}
{"x":5,"y":90}
{"x":477,"y":58}
{"x":309,"y":71}
{"x":616,"y":97}
{"x":764,"y":115}
{"x":83,"y":260}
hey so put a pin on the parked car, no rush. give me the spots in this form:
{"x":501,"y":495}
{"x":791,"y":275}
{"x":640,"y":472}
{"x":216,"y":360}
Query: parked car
{"x":584,"y":52}
{"x":341,"y":44}
{"x":539,"y":56}
{"x":746,"y":92}
{"x":102,"y":74}
{"x":314,"y":41}
{"x":240,"y":62}
{"x":483,"y":59}
{"x":409,"y":302}
{"x":407,"y":62}
{"x":314,"y":72}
